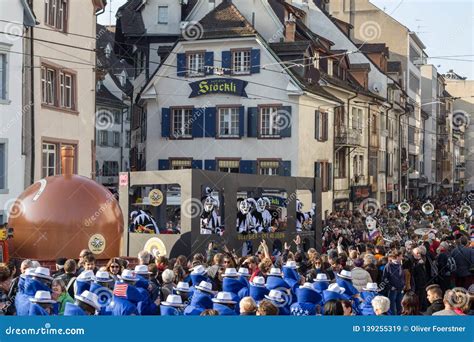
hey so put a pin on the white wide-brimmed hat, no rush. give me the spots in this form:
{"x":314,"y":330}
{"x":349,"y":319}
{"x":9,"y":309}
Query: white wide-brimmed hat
{"x":42,"y":297}
{"x":244,"y":272}
{"x":42,"y":272}
{"x":258,"y":281}
{"x":199,"y":269}
{"x":345,"y":274}
{"x":322,"y":277}
{"x":308,"y":286}
{"x":224,"y":298}
{"x":275,"y":296}
{"x":205,"y":287}
{"x":173,"y":300}
{"x":371,"y":287}
{"x":230,"y":272}
{"x":89,"y":298}
{"x":86,"y":276}
{"x":275,"y":271}
{"x":182,"y":287}
{"x":102,"y":277}
{"x":129,"y":275}
{"x":291,"y":264}
{"x":336,"y":288}
{"x":141,"y":270}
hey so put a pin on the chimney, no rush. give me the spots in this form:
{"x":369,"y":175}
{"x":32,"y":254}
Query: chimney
{"x":290,"y":29}
{"x":67,"y":160}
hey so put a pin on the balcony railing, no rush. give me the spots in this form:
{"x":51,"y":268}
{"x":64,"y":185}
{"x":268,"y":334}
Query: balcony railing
{"x":348,"y":136}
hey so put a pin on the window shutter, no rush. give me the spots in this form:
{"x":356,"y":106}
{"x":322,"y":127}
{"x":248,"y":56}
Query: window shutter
{"x":252,"y":121}
{"x":317,"y":170}
{"x":241,"y":121}
{"x":163,"y":164}
{"x":209,"y":63}
{"x":325,"y":126}
{"x":329,"y":176}
{"x":181,"y":64}
{"x":210,"y":122}
{"x":255,"y":60}
{"x":226,"y":62}
{"x":248,"y":166}
{"x":196,"y":164}
{"x":165,"y":122}
{"x":197,"y":122}
{"x":286,"y":120}
{"x":285,"y":168}
{"x":316,"y":125}
{"x":210,"y":165}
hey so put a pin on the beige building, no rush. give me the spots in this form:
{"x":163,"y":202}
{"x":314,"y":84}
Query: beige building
{"x":63,"y":81}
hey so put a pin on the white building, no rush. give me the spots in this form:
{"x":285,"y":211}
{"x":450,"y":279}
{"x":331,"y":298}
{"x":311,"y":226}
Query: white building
{"x":14,"y":15}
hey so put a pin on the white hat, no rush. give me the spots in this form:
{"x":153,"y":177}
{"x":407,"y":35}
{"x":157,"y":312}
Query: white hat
{"x":258,"y":281}
{"x":244,"y":272}
{"x":101,"y":276}
{"x":291,"y":264}
{"x":173,"y":300}
{"x":308,"y":286}
{"x":141,"y":269}
{"x":89,"y":298}
{"x":199,"y":269}
{"x":42,"y":297}
{"x":29,"y":272}
{"x":182,"y":287}
{"x":230,"y":272}
{"x":224,"y":298}
{"x":86,"y":276}
{"x":321,"y":277}
{"x":275,"y":271}
{"x":129,"y":275}
{"x":42,"y":272}
{"x":205,"y":287}
{"x":345,"y":274}
{"x":371,"y":287}
{"x":336,"y":288}
{"x":275,"y":296}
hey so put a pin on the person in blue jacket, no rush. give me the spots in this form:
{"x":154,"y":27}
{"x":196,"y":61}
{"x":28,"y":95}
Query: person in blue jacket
{"x":344,"y":280}
{"x":125,"y":295}
{"x":291,"y":276}
{"x":146,"y":307}
{"x":368,"y":293}
{"x":244,"y":276}
{"x":42,"y":304}
{"x":257,"y":289}
{"x":38,"y":279}
{"x":280,"y":300}
{"x":102,"y":286}
{"x":182,"y":289}
{"x":224,"y":304}
{"x":275,"y":280}
{"x":172,"y":306}
{"x":83,"y":282}
{"x":201,"y":300}
{"x":307,"y":299}
{"x":86,"y":304}
{"x":321,"y":282}
{"x":198,"y":274}
{"x":232,"y":284}
{"x":334,"y":292}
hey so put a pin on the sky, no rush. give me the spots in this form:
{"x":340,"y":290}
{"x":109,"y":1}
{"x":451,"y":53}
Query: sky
{"x":446,"y":27}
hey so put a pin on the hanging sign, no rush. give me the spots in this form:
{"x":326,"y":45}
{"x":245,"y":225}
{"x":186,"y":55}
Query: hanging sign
{"x":229,"y":86}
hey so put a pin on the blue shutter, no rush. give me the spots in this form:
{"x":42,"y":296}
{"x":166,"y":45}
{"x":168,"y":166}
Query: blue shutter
{"x":241,"y":121}
{"x":196,"y":164}
{"x":252,"y":121}
{"x":329,"y":176}
{"x":2,"y":167}
{"x":248,"y":166}
{"x":209,"y":63}
{"x":165,"y":122}
{"x":163,"y":164}
{"x":317,"y":170}
{"x":226,"y":62}
{"x":210,"y":122}
{"x":316,"y":125}
{"x":210,"y":165}
{"x":198,"y":122}
{"x":285,"y":168}
{"x":285,"y":120}
{"x":181,"y":64}
{"x":255,"y":57}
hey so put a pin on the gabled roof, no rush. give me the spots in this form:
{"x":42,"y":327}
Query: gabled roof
{"x":104,"y":96}
{"x":225,"y":21}
{"x":130,"y":20}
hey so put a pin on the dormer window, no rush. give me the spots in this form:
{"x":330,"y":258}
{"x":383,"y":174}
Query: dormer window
{"x":162,"y":14}
{"x":241,"y":62}
{"x":316,"y":60}
{"x":195,"y":63}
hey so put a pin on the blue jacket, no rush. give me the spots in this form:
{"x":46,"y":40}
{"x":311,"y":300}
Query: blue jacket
{"x":347,"y":284}
{"x":330,"y":295}
{"x":201,"y":301}
{"x":292,"y":278}
{"x":224,"y":310}
{"x":22,"y":300}
{"x":82,"y":286}
{"x":126,"y":306}
{"x":73,"y":310}
{"x":146,"y":307}
{"x":275,"y":282}
{"x":166,"y":310}
{"x":366,"y":308}
{"x":257,"y":292}
{"x":37,"y":310}
{"x":320,"y":286}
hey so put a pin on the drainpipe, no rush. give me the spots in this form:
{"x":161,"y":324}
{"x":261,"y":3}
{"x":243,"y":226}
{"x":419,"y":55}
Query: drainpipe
{"x":368,"y":144}
{"x":386,"y":160}
{"x":400,"y":157}
{"x":32,"y":99}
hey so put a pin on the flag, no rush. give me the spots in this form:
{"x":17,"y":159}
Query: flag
{"x":120,"y":290}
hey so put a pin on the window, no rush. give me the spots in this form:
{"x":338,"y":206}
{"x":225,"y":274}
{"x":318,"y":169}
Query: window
{"x":372,"y":166}
{"x":117,"y":116}
{"x":340,"y":164}
{"x":268,"y":167}
{"x":374,"y":124}
{"x":382,"y":161}
{"x":103,"y":138}
{"x":65,"y":86}
{"x":323,"y":170}
{"x":330,"y":67}
{"x":127,"y":138}
{"x":414,"y":55}
{"x":390,"y":164}
{"x":411,"y":135}
{"x":229,"y":122}
{"x":229,"y":166}
{"x":241,"y":62}
{"x":356,"y":118}
{"x":180,"y":164}
{"x":110,"y":169}
{"x":360,"y":171}
{"x":3,"y":76}
{"x":162,"y":14}
{"x":50,"y":155}
{"x":414,"y":83}
{"x":55,"y":14}
{"x":321,"y":128}
{"x":58,"y":88}
{"x":117,"y":139}
{"x":195,"y":64}
{"x":139,"y":62}
{"x":268,"y":122}
{"x":316,"y":60}
{"x":182,"y":125}
{"x":3,"y":166}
